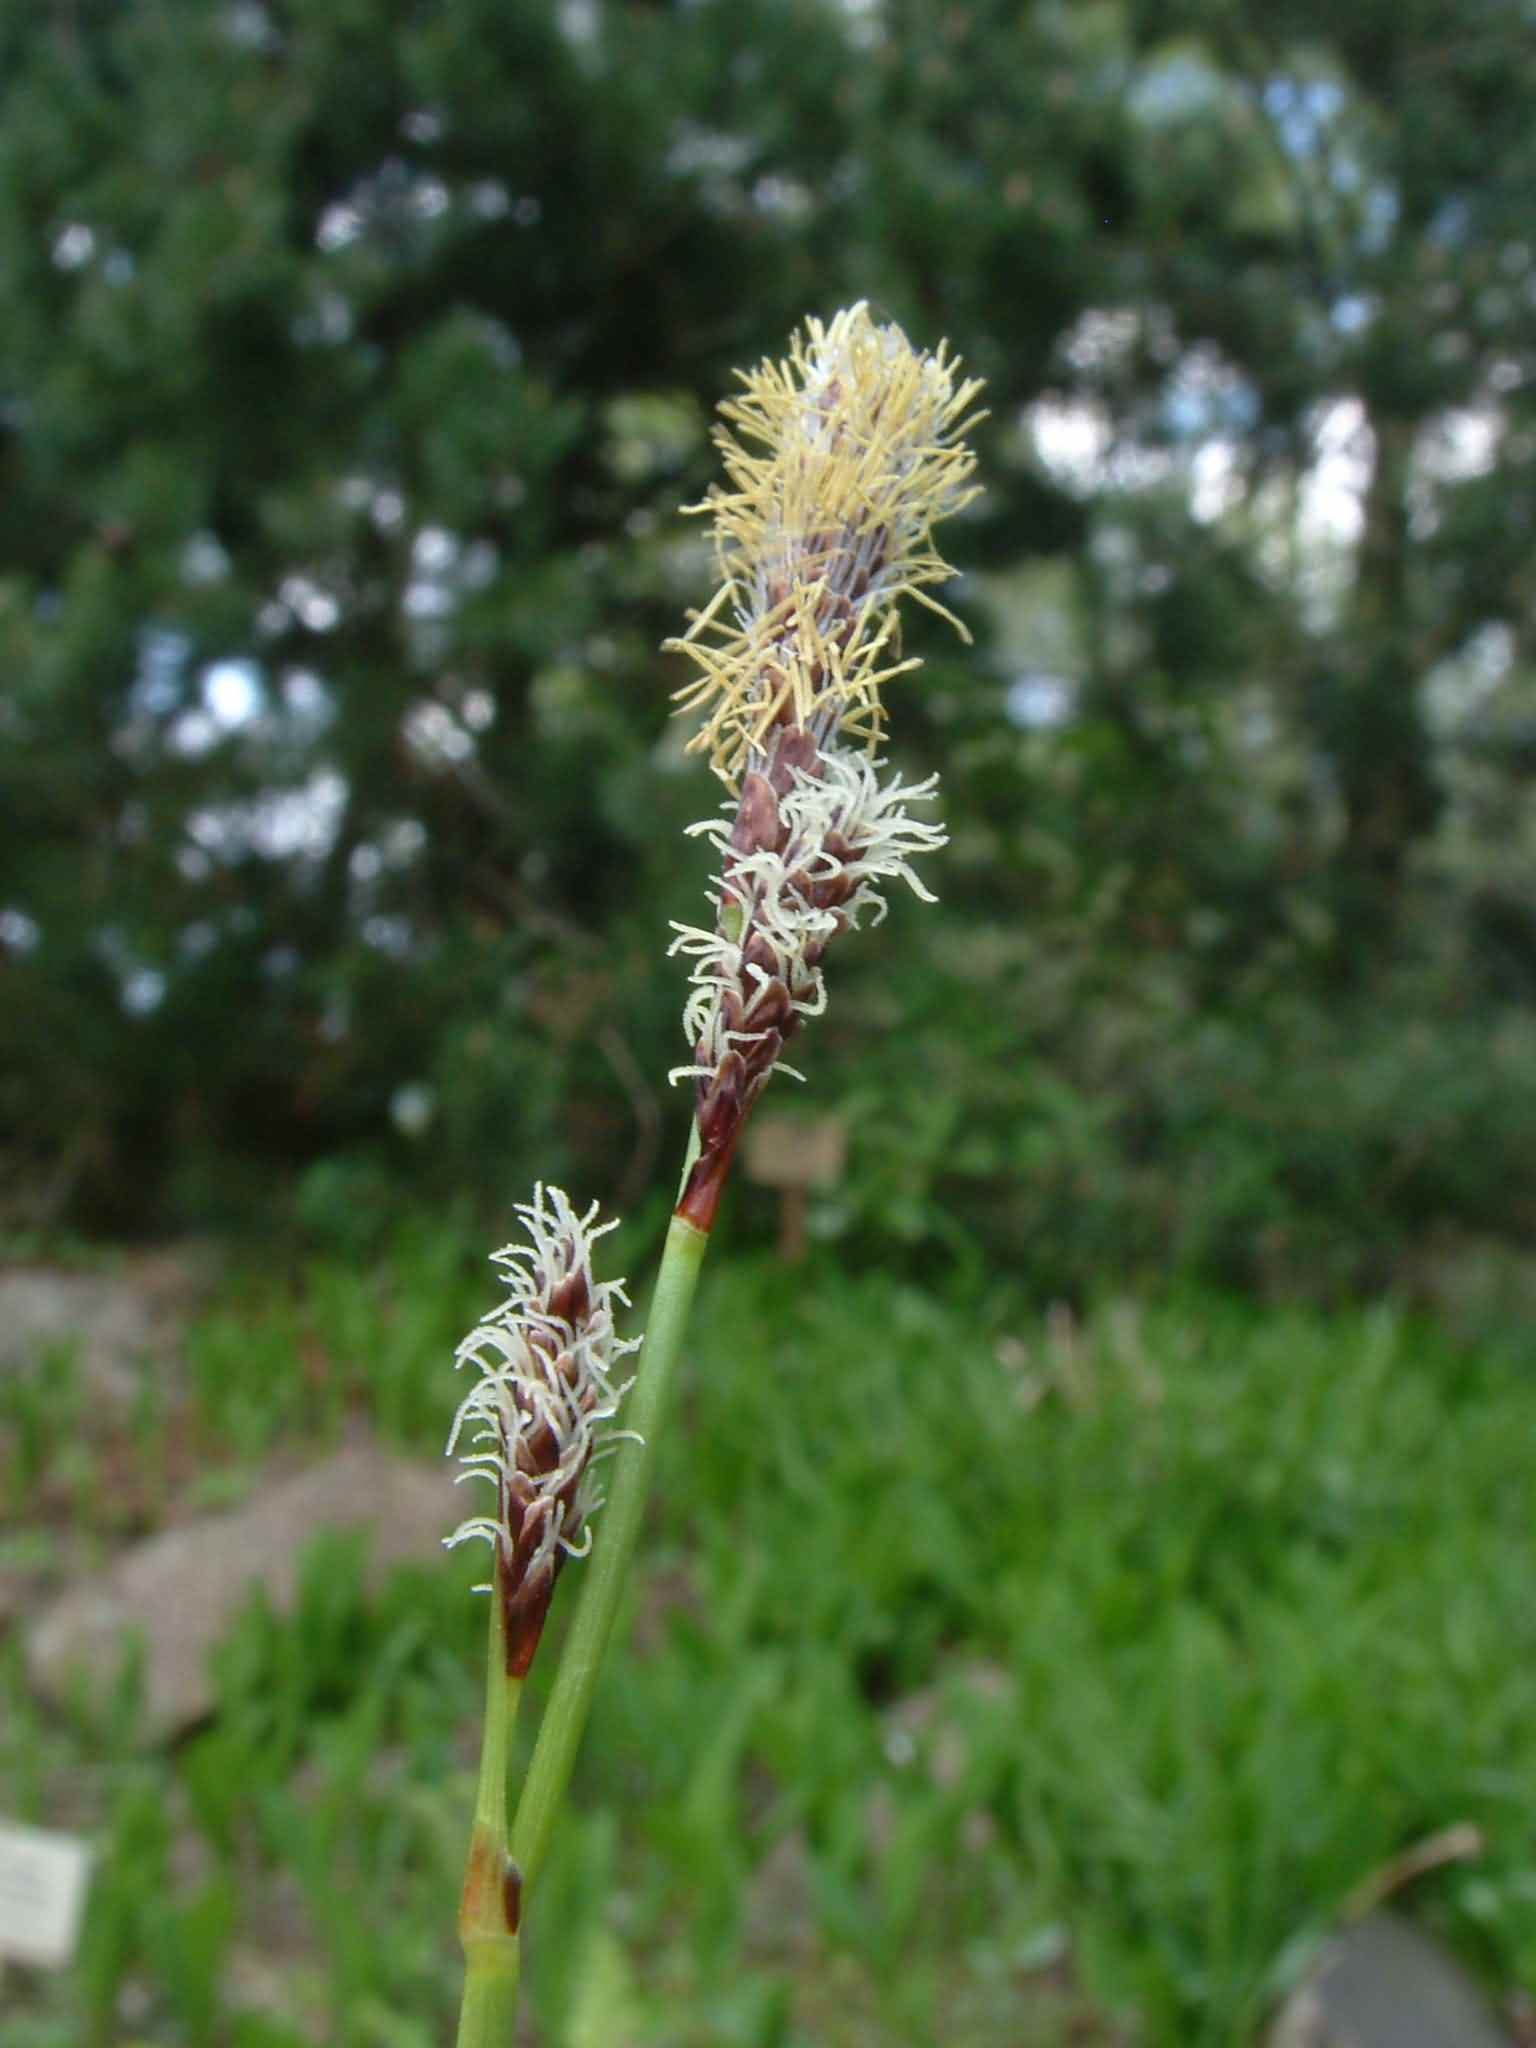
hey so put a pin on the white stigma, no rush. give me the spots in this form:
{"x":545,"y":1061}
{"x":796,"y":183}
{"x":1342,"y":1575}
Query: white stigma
{"x":845,"y":832}
{"x":532,"y":1423}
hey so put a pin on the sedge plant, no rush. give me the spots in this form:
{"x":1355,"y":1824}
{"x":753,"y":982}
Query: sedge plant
{"x":839,"y":461}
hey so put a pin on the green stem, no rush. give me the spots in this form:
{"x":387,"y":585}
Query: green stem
{"x":489,"y":2012}
{"x":488,"y":1908}
{"x":617,"y":1530}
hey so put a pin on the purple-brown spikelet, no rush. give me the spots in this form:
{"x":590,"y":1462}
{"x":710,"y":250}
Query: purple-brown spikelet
{"x":819,"y":537}
{"x":534,"y":1420}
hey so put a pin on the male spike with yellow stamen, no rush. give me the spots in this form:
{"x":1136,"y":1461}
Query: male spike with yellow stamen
{"x":822,"y":533}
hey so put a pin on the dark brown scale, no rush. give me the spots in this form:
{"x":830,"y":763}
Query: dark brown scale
{"x":720,"y":1099}
{"x":824,"y":892}
{"x":758,"y":954}
{"x":770,"y":1011}
{"x":757,"y":818}
{"x":570,"y":1300}
{"x":524,"y":1605}
{"x":766,"y":1051}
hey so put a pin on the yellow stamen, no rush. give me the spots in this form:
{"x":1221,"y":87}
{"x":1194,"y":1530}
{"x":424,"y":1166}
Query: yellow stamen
{"x":825,"y":523}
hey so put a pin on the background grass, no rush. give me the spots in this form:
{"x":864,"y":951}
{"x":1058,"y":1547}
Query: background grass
{"x":981,"y":1667}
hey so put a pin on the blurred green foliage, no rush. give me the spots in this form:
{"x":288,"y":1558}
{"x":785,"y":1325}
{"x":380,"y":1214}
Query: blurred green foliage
{"x":357,"y":360}
{"x":990,"y":1677}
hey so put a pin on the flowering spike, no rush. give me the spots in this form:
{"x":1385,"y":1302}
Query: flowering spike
{"x":796,"y":870}
{"x":531,"y":1424}
{"x":817,"y":538}
{"x":822,"y":533}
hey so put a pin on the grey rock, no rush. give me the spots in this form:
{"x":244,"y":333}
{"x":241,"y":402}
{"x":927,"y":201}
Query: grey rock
{"x":26,"y":1561}
{"x":178,"y":1592}
{"x":114,"y":1319}
{"x":1382,"y":1984}
{"x":779,"y":1917}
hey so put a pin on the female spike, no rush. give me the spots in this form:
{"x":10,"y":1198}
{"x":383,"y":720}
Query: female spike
{"x":532,"y":1423}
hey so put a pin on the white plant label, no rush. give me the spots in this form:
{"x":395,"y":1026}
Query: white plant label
{"x":42,"y":1894}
